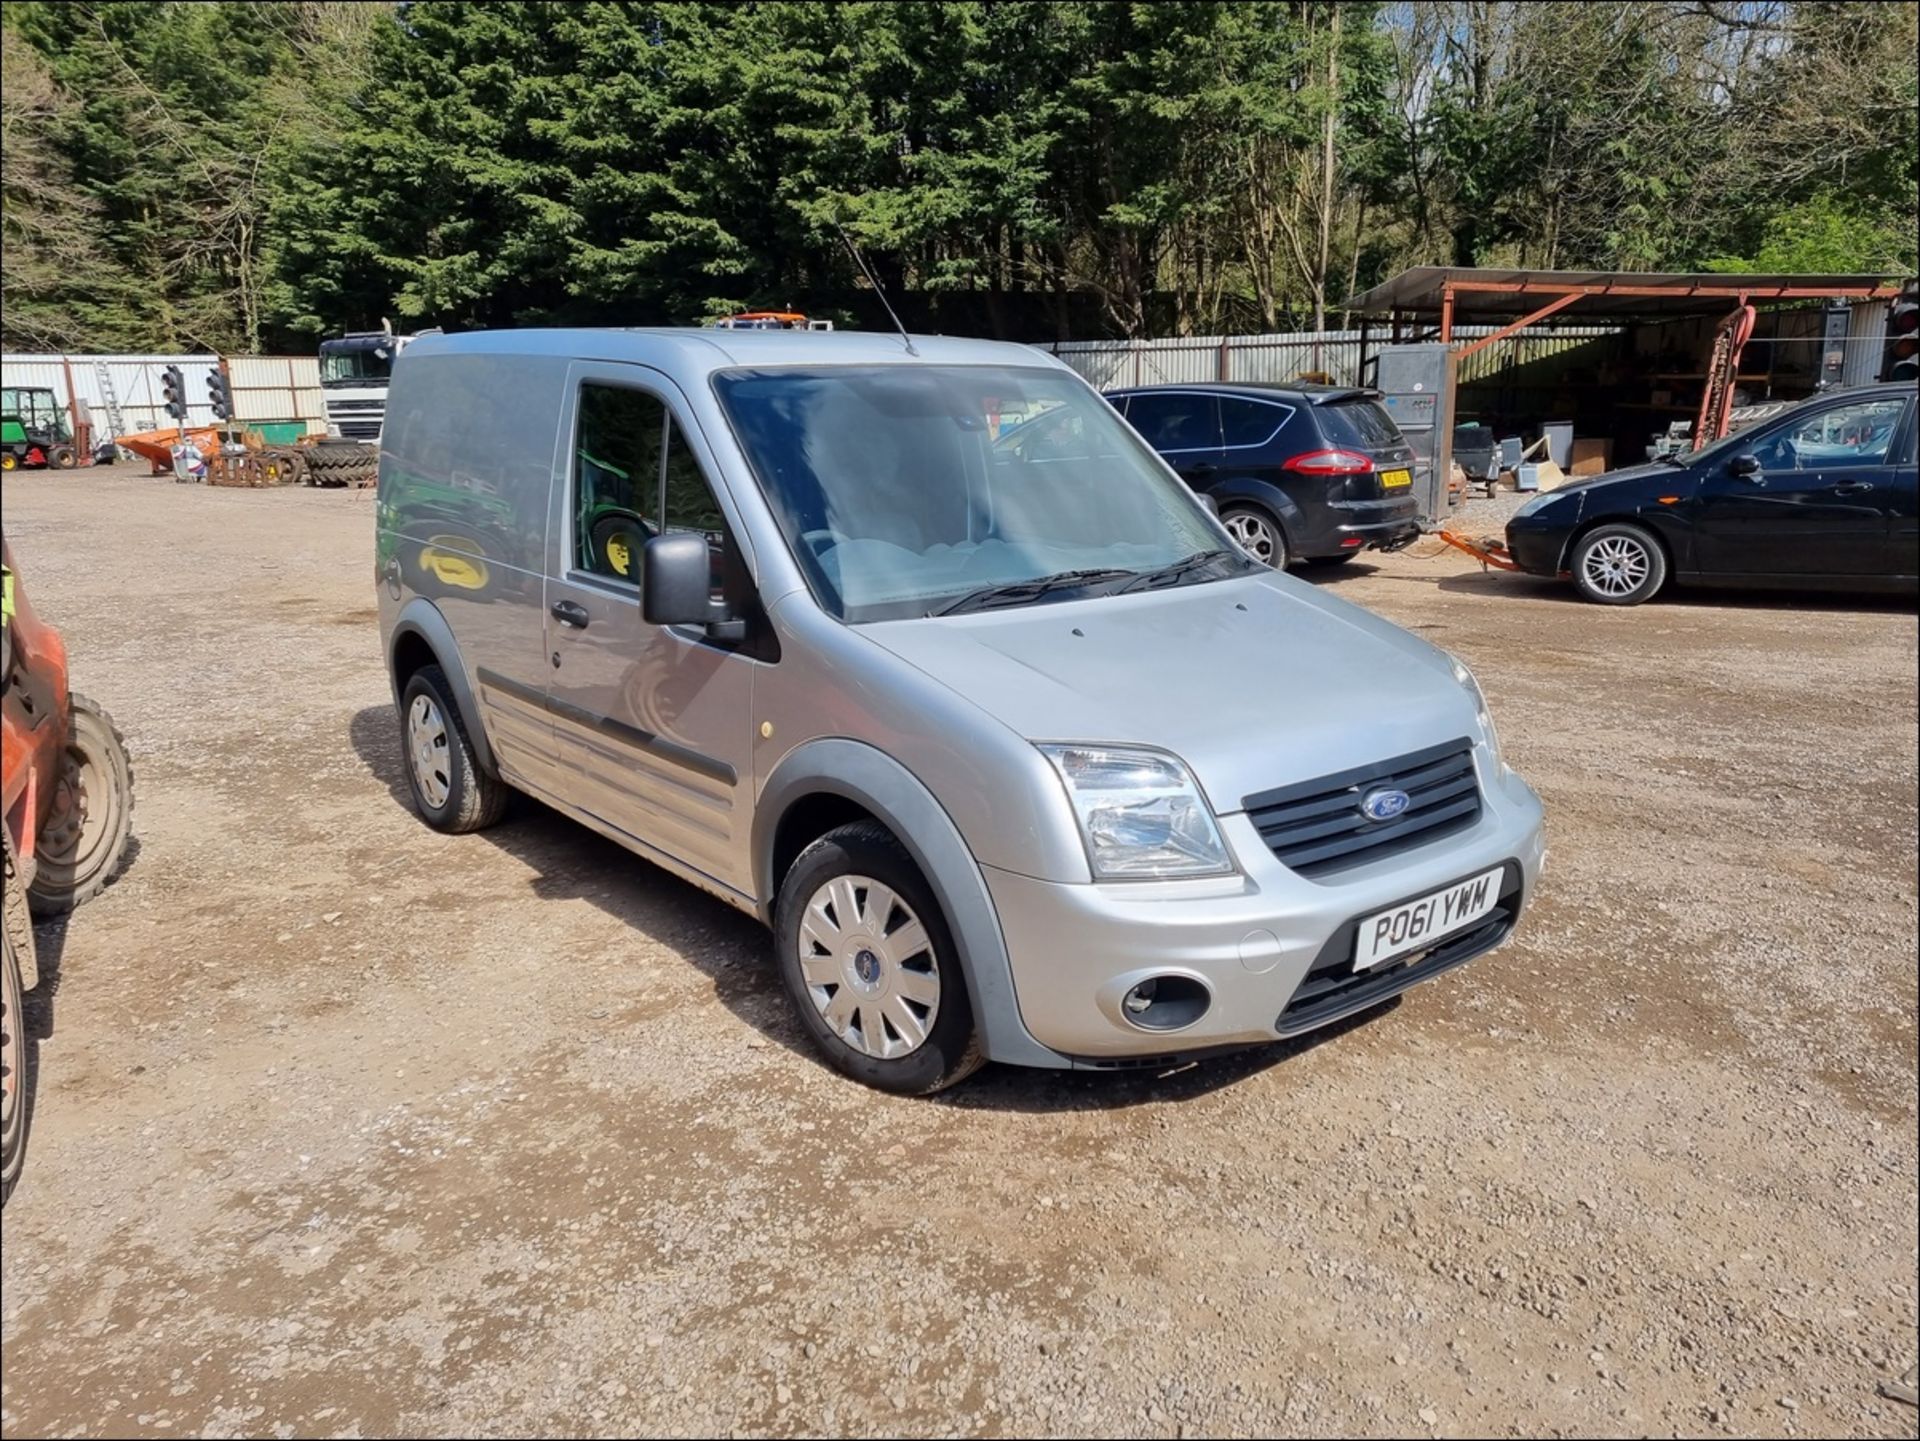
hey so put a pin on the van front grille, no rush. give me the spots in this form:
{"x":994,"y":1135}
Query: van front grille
{"x":1318,"y":826}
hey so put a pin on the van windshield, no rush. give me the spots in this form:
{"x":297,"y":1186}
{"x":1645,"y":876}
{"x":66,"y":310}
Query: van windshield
{"x":907,"y":490}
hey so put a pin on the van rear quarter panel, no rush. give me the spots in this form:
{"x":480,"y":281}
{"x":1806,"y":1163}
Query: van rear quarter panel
{"x":466,"y":468}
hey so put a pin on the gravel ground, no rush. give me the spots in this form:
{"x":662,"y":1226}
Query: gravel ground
{"x":347,"y":1128}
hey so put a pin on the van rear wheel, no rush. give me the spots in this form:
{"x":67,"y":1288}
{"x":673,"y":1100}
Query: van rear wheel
{"x":450,"y":789}
{"x":870,"y":965}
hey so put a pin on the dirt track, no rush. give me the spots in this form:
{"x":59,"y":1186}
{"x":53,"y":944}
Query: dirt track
{"x":347,"y":1128}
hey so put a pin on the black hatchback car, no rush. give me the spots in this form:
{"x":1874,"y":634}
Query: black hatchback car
{"x":1297,"y":472}
{"x":1822,"y":496}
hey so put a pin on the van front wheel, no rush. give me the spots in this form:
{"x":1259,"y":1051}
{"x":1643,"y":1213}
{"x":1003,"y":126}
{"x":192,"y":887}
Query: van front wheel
{"x":870,"y":965}
{"x":452,"y":792}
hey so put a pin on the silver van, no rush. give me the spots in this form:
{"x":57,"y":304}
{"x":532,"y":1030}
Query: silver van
{"x":915,"y":651}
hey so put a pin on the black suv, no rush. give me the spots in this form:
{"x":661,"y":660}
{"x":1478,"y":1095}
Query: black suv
{"x":1299,"y":472}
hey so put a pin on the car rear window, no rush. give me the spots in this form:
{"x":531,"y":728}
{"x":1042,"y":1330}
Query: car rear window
{"x":1360,"y":422}
{"x":1250,"y":422}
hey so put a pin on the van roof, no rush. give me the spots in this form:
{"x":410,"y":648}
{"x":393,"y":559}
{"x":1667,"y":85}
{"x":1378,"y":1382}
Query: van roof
{"x":690,"y":354}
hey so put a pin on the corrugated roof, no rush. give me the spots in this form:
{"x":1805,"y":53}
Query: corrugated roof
{"x":1488,"y":293}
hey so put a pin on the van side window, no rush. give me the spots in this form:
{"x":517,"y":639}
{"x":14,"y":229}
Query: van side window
{"x":619,"y":448}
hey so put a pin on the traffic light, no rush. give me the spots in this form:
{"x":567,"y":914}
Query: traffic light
{"x":219,"y":393}
{"x":1903,"y":337}
{"x":173,"y":386}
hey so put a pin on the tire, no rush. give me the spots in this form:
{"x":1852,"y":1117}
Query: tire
{"x":1324,"y":560}
{"x":921,"y":1029}
{"x":9,"y":460}
{"x":1619,"y":564}
{"x":1258,"y":534}
{"x":16,"y":1045}
{"x":450,"y":789}
{"x":337,"y":462}
{"x":62,"y":457}
{"x":281,"y":467}
{"x":631,"y":534}
{"x":84,"y":844}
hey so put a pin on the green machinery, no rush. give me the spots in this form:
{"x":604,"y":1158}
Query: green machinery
{"x":34,"y":430}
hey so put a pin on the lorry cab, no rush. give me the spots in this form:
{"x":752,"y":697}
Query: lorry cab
{"x":915,"y":651}
{"x":354,"y":372}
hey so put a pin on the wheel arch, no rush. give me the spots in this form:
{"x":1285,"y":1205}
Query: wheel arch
{"x":1587,"y":526}
{"x":1264,"y":495}
{"x":422,"y":637}
{"x":828,"y":782}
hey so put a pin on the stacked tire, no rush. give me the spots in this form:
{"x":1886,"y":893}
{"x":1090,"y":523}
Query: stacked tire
{"x":342,"y":462}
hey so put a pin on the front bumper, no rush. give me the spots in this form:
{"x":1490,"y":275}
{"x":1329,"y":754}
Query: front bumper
{"x":1538,"y":549}
{"x":1256,"y":941}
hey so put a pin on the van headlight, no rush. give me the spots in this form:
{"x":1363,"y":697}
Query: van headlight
{"x":1472,"y":688}
{"x":1141,"y":814}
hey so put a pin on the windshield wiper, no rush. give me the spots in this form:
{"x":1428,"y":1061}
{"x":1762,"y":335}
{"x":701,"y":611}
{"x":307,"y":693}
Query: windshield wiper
{"x":1014,"y":592}
{"x":1167,"y":574}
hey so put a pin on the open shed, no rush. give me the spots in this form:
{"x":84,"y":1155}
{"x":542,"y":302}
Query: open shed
{"x":1623,"y":390}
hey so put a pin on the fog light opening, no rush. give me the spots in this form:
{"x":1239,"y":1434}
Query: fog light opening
{"x":1165,"y":1003}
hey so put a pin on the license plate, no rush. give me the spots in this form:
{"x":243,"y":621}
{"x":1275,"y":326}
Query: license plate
{"x":1395,"y":479}
{"x":1419,"y":924}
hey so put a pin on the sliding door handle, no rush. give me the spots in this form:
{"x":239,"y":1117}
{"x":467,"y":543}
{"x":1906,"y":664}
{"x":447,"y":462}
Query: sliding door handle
{"x":570,"y":614}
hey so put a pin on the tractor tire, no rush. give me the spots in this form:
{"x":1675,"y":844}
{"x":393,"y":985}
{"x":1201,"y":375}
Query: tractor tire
{"x":85,"y":842}
{"x":9,"y":461}
{"x":337,"y":462}
{"x":282,"y":466}
{"x":62,"y":457}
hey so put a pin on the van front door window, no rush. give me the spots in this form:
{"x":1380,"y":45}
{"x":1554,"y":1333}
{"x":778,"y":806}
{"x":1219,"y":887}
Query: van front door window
{"x":618,"y":454}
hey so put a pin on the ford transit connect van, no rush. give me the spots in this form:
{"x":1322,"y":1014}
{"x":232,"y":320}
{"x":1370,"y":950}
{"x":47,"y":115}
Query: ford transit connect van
{"x":917,"y":652}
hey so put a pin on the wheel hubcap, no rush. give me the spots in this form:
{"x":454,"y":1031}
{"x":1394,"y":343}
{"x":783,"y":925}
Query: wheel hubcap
{"x":1617,"y":565}
{"x":1253,"y":535}
{"x":869,"y":967}
{"x":427,"y":750}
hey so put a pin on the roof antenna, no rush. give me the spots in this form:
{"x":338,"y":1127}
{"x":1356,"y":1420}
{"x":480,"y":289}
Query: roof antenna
{"x":854,"y":251}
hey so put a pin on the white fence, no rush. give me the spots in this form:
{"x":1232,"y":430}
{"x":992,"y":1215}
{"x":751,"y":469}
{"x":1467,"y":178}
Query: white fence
{"x":267,"y":389}
{"x":1110,"y":364}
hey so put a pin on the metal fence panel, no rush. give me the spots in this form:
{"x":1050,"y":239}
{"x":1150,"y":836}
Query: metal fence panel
{"x":277,"y":388}
{"x":1866,"y":341}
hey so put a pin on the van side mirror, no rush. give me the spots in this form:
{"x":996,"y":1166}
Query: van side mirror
{"x":676,"y":587}
{"x":1746,"y":463}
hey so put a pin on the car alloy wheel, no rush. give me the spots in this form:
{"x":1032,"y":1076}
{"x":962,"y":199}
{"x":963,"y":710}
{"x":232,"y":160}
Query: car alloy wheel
{"x":1617,"y":565}
{"x":1258,"y":536}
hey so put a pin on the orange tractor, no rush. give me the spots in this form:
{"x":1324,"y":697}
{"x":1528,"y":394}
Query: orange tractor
{"x":66,"y":790}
